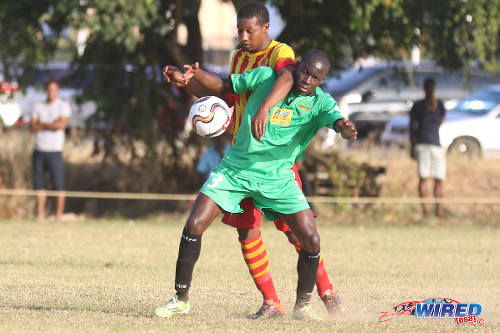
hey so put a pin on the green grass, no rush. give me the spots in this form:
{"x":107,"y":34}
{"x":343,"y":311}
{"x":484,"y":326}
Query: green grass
{"x":107,"y":276}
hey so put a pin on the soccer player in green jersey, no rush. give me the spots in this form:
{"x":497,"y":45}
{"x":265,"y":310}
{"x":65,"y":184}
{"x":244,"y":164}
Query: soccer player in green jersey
{"x":261,"y":169}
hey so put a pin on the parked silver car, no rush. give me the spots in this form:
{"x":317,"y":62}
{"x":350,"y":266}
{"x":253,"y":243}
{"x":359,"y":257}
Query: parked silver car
{"x":373,"y":95}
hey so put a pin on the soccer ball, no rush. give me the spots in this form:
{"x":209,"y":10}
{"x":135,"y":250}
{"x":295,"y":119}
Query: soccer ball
{"x":210,"y":116}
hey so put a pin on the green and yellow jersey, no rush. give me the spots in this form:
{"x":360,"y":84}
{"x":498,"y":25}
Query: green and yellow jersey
{"x":292,"y":124}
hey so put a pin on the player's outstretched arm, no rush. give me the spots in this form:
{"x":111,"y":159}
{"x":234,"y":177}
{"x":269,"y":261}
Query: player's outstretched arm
{"x":346,"y":128}
{"x":210,"y":81}
{"x":174,"y":76}
{"x":279,"y":91}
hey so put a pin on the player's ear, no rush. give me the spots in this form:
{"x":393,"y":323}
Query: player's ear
{"x":265,"y":27}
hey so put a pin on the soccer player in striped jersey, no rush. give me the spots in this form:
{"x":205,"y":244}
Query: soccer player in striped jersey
{"x":256,"y":49}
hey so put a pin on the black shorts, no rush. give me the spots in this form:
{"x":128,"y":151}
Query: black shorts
{"x":51,"y":161}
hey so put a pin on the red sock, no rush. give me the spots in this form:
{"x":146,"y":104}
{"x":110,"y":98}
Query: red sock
{"x":323,"y":281}
{"x":256,"y":258}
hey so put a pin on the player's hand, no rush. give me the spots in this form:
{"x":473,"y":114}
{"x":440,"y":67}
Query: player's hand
{"x":190,"y":72}
{"x":173,"y":75}
{"x":259,"y":122}
{"x":348,"y":130}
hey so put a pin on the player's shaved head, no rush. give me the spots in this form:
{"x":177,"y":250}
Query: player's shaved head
{"x":311,"y":71}
{"x":253,"y":9}
{"x":317,"y":59}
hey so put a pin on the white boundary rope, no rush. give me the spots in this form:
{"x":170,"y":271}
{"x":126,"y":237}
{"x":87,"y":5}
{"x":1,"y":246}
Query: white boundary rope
{"x":313,"y":199}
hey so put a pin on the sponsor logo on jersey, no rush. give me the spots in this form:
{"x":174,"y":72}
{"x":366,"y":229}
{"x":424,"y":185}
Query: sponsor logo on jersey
{"x":281,"y":117}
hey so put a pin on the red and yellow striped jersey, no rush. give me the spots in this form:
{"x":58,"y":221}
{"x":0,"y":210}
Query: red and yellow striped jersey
{"x":276,"y":55}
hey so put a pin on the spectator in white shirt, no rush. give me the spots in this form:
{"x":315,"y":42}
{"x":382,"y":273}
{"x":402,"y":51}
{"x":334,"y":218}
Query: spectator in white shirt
{"x":48,"y":122}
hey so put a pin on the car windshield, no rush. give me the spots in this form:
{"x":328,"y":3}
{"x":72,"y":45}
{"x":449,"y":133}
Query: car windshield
{"x":479,"y":103}
{"x":344,"y":81}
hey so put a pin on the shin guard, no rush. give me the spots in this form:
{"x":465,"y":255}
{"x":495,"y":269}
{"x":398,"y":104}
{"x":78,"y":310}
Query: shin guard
{"x":189,"y":252}
{"x":307,"y":267}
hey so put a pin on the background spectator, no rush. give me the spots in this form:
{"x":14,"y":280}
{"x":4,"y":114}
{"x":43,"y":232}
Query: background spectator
{"x":49,"y":122}
{"x":426,"y":116}
{"x":213,"y":155}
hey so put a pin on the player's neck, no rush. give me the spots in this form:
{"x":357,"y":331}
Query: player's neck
{"x":264,"y":45}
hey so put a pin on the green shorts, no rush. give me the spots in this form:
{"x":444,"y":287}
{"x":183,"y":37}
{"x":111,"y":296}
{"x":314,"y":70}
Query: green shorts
{"x":227,"y":190}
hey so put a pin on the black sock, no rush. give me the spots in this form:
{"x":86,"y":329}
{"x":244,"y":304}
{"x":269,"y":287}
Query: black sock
{"x":307,"y":268}
{"x":189,"y":251}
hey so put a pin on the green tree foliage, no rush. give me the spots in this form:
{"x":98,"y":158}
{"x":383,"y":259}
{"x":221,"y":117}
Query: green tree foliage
{"x":128,"y":43}
{"x":22,"y":41}
{"x":455,"y":33}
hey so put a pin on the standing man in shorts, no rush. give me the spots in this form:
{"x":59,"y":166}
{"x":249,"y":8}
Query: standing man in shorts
{"x":260,"y":169}
{"x":256,"y":50}
{"x":48,"y":122}
{"x":426,"y":116}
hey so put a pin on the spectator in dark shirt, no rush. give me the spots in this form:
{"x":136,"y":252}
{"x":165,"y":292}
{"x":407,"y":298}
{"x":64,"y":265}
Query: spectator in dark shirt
{"x":426,"y":117}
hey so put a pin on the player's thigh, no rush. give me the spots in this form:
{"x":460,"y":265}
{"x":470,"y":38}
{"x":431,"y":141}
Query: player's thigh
{"x":284,"y":197}
{"x":281,"y":224}
{"x":202,"y":214}
{"x":38,"y":170}
{"x":304,"y":227}
{"x":55,"y":165}
{"x":226,"y":190}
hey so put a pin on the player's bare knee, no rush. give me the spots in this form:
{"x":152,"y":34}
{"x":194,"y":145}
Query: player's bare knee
{"x":315,"y":241}
{"x":312,"y":242}
{"x":196,"y":225}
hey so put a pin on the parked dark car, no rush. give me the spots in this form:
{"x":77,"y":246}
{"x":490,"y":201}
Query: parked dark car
{"x":372,"y":96}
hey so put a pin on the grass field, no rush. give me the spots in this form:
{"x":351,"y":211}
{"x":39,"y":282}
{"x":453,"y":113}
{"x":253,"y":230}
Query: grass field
{"x":107,"y":276}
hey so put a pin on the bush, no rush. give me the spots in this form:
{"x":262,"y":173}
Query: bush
{"x":343,"y":177}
